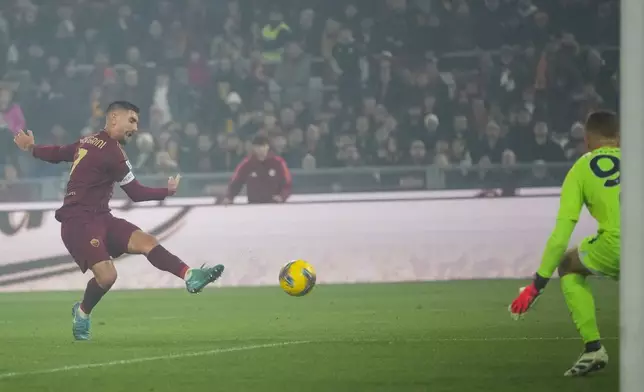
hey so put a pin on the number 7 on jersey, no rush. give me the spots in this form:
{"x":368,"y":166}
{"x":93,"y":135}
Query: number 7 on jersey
{"x":80,"y":154}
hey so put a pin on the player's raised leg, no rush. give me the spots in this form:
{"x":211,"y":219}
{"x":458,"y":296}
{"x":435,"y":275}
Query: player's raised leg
{"x":196,"y":278}
{"x":124,"y":235}
{"x":581,"y":304}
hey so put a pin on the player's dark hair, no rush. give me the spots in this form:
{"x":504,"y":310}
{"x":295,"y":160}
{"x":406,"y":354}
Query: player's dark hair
{"x":122,"y":105}
{"x":604,"y":123}
{"x":260,"y":140}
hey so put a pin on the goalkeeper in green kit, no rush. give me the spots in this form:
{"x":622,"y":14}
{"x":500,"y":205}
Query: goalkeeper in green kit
{"x":593,"y":181}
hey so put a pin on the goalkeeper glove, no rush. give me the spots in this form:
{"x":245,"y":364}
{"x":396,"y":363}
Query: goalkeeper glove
{"x":527,"y":297}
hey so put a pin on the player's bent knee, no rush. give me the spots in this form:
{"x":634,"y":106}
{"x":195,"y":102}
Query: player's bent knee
{"x":571,"y":264}
{"x":142,"y":243}
{"x":105,"y":274}
{"x":565,"y":267}
{"x":106,"y":281}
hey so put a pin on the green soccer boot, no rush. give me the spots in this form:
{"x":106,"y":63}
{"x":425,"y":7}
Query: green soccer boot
{"x":80,"y":324}
{"x":198,"y":278}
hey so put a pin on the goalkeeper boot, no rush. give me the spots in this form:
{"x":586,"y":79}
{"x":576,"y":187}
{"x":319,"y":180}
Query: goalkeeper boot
{"x":80,"y":323}
{"x":198,"y":278}
{"x":589,"y":362}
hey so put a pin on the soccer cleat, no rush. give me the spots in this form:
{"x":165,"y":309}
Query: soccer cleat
{"x":80,"y":324}
{"x":525,"y":301}
{"x":589,"y":363}
{"x":200,"y":278}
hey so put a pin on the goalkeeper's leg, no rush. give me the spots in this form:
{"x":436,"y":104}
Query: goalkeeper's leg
{"x":581,"y":304}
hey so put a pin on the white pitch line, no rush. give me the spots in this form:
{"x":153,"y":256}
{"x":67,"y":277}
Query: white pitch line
{"x":456,"y":340}
{"x":149,"y":359}
{"x":272,"y":345}
{"x":519,"y":339}
{"x":162,"y":318}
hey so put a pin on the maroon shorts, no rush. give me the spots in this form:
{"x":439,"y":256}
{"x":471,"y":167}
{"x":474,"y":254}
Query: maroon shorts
{"x":96,"y":238}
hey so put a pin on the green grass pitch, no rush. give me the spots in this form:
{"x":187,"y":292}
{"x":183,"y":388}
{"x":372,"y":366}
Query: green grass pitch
{"x":447,"y":336}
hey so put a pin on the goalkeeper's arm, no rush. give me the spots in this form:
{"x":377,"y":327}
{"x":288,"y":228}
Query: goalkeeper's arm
{"x":554,"y":252}
{"x":570,"y":205}
{"x":569,"y":210}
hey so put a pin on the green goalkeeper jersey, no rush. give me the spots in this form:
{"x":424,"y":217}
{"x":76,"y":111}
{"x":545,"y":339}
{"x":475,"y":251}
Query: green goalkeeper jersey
{"x":593,"y":181}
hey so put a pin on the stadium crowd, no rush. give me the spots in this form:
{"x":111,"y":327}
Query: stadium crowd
{"x":468,"y":83}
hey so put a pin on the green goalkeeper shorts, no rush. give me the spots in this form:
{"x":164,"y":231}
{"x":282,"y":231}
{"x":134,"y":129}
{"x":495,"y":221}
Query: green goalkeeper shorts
{"x":600,"y":254}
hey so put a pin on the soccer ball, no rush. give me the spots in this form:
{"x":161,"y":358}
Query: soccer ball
{"x":297,"y":278}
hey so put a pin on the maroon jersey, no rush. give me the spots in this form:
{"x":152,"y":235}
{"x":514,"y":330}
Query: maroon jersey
{"x":263,"y":179}
{"x":98,"y":161}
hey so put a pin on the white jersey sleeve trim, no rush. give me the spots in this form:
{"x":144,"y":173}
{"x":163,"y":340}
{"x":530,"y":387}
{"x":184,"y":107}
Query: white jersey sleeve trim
{"x":129,"y":177}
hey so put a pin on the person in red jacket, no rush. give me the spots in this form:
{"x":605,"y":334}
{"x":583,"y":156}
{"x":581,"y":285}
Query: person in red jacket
{"x":265,"y":175}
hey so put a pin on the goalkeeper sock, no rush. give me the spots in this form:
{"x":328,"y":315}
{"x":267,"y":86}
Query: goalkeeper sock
{"x":93,"y":294}
{"x":581,"y":304}
{"x":166,"y":261}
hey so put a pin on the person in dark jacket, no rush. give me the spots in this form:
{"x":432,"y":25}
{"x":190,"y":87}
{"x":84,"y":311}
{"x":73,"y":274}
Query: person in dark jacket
{"x":265,"y":175}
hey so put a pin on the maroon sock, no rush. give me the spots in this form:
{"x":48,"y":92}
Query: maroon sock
{"x":166,"y":261}
{"x":93,"y":294}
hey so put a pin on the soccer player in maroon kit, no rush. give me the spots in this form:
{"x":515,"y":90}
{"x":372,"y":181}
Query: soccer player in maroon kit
{"x":91,"y":234}
{"x":265,"y":175}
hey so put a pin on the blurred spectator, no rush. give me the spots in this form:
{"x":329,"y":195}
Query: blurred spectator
{"x":275,"y":34}
{"x":388,"y":153}
{"x":293,"y":74}
{"x":10,"y":190}
{"x":296,"y":148}
{"x":459,"y":154}
{"x":230,"y":153}
{"x":575,"y":145}
{"x":432,"y":134}
{"x":279,"y":144}
{"x":145,"y":159}
{"x":345,"y":62}
{"x":489,"y":32}
{"x":153,"y":42}
{"x":11,"y":117}
{"x":163,"y":98}
{"x":491,"y":146}
{"x":350,"y":156}
{"x":132,"y":91}
{"x":232,"y":114}
{"x":418,"y":154}
{"x":204,"y":158}
{"x":309,"y":162}
{"x":165,"y":164}
{"x":308,"y":32}
{"x":12,"y":121}
{"x":541,"y":147}
{"x":539,"y":176}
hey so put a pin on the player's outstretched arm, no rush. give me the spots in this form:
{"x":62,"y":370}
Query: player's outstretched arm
{"x":52,"y":154}
{"x":571,"y":202}
{"x":122,"y":173}
{"x":138,"y":192}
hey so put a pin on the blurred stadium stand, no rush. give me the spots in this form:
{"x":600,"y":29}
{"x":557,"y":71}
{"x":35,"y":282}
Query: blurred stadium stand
{"x":356,"y":96}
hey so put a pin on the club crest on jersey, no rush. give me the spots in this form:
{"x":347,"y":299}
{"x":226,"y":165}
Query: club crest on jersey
{"x":95,"y":242}
{"x":271,"y":172}
{"x":253,"y":174}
